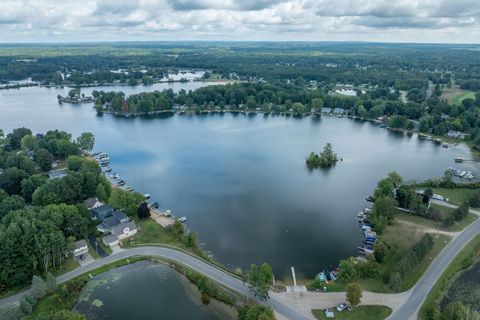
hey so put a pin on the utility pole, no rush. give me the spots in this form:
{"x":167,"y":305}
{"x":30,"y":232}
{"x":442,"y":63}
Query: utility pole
{"x":293,"y":276}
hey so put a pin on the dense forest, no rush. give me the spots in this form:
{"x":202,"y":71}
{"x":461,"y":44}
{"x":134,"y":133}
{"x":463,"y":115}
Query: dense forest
{"x":41,"y":217}
{"x":400,"y":65}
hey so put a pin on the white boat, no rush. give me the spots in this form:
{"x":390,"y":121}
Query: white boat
{"x":146,"y":196}
{"x":182,"y":219}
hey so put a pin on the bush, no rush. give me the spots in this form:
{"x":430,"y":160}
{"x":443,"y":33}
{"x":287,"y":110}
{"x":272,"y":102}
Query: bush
{"x":205,"y":299}
{"x":408,"y":263}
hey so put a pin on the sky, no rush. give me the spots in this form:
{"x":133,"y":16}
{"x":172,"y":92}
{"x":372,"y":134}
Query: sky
{"x":432,"y":21}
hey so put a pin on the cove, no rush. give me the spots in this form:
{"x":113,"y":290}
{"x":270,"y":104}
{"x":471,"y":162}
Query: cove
{"x":241,"y":179}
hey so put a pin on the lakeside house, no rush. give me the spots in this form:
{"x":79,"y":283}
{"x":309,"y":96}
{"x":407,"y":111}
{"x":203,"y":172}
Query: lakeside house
{"x":81,"y":247}
{"x":103,"y":211}
{"x":456,"y":134}
{"x":124,"y":230}
{"x":111,"y":221}
{"x":92,"y":203}
{"x":326,"y":110}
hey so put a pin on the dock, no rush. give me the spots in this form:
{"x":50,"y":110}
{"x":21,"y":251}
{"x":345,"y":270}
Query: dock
{"x":161,"y":218}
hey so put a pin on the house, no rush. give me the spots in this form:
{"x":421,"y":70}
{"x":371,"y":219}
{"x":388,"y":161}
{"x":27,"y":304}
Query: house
{"x":124,"y":230}
{"x":92,"y":203}
{"x":120,"y":216}
{"x":81,"y":247}
{"x":107,"y":224}
{"x":339,"y":111}
{"x":102,"y":212}
{"x":326,"y":110}
{"x":329,"y":313}
{"x":110,"y":240}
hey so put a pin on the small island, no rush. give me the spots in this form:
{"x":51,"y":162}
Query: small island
{"x":325,"y":159}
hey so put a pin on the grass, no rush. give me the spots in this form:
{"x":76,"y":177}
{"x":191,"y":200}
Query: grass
{"x":400,"y":238}
{"x":455,"y":95}
{"x":438,"y":225}
{"x":92,"y":251}
{"x":463,"y":259}
{"x":105,"y":248}
{"x":68,"y":266}
{"x":358,"y":313}
{"x":456,"y":196}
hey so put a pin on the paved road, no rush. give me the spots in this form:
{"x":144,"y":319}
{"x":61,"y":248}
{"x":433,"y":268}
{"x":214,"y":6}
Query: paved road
{"x":418,"y":294}
{"x":218,"y":275}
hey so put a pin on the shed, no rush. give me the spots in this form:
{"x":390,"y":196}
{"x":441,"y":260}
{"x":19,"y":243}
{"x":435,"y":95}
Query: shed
{"x":329,"y":313}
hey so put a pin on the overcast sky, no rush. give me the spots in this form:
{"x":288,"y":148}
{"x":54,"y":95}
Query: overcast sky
{"x":447,"y":21}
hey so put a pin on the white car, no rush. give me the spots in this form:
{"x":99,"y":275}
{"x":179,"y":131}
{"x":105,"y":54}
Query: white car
{"x":341,"y":307}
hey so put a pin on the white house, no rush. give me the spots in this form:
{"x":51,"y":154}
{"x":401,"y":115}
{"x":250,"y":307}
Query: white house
{"x":124,"y":230}
{"x":81,"y":247}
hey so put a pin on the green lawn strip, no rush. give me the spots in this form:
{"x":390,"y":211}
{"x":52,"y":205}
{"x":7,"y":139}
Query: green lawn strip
{"x":457,"y":195}
{"x":358,"y":313}
{"x":428,"y":223}
{"x":105,"y":248}
{"x":463,"y":259}
{"x":68,"y":266}
{"x":150,"y":233}
{"x":92,"y":252}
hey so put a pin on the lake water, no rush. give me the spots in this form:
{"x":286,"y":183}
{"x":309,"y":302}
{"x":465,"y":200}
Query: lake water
{"x":148,"y":291}
{"x":241,"y":180}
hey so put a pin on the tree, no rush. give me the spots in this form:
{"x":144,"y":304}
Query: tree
{"x":143,"y":211}
{"x":101,"y":193}
{"x":28,"y":142}
{"x":11,"y":203}
{"x":317,"y":104}
{"x":11,"y":178}
{"x":15,"y":138}
{"x":191,"y":240}
{"x":44,"y":159}
{"x":255,"y":312}
{"x":395,"y":281}
{"x":348,"y":270}
{"x":86,"y":141}
{"x":258,"y":280}
{"x":25,"y":306}
{"x":354,"y":294}
{"x":474,"y":200}
{"x":51,"y":283}
{"x":455,"y":311}
{"x":39,"y":287}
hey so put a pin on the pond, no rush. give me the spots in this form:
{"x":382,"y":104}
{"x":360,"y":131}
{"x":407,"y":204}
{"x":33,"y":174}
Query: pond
{"x":148,"y":291}
{"x":241,"y":179}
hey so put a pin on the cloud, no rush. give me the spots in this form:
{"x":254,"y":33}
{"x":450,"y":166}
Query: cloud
{"x":368,"y":20}
{"x":237,"y":5}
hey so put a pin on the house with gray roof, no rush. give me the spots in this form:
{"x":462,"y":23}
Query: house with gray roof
{"x":110,"y":240}
{"x":124,"y":230}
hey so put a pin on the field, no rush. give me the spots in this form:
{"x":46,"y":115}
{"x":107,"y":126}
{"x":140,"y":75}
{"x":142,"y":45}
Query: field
{"x":358,"y":313}
{"x":400,"y":237}
{"x":456,"y":196}
{"x":455,"y":95}
{"x":437,"y":225}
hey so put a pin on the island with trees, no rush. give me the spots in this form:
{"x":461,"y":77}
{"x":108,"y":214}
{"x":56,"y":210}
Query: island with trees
{"x":325,"y":159}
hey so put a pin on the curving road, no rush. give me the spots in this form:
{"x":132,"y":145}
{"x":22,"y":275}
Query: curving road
{"x":409,"y":309}
{"x":216,"y":274}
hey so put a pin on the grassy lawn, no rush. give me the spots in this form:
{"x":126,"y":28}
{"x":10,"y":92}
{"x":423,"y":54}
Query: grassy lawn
{"x":358,"y":313}
{"x":92,"y":251}
{"x":149,"y":231}
{"x":463,"y":259}
{"x":105,"y":248}
{"x":438,"y":225}
{"x":68,"y":266}
{"x":455,"y":95}
{"x":456,"y":196}
{"x":400,"y":238}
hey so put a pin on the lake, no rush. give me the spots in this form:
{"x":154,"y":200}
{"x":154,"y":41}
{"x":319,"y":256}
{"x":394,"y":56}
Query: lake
{"x":148,"y":291}
{"x":241,"y":179}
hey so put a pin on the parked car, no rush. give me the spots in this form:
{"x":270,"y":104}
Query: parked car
{"x":341,"y":307}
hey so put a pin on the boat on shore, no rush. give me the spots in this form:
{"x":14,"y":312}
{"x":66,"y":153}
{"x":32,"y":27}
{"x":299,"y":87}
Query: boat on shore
{"x":182,"y":219}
